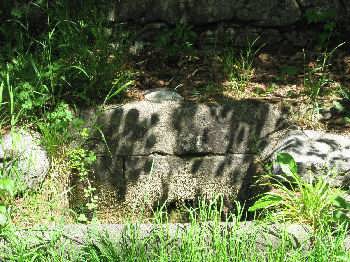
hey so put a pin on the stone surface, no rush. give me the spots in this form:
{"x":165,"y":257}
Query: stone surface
{"x":22,"y":151}
{"x":135,"y":183}
{"x":261,"y":237}
{"x":155,"y":179}
{"x":317,"y":151}
{"x":175,"y":151}
{"x":142,"y":128}
{"x":276,"y":22}
{"x":269,"y":13}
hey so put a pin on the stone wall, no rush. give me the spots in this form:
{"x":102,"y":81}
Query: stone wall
{"x":278,"y":21}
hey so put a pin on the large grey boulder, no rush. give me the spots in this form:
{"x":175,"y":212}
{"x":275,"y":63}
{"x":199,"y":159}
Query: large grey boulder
{"x":21,"y":152}
{"x":319,"y":152}
{"x":175,"y":151}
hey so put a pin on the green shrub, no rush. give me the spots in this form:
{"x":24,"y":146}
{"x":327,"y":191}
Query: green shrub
{"x":80,"y":162}
{"x":181,"y":39}
{"x":328,"y":19}
{"x":294,"y":199}
{"x":317,"y":79}
{"x":60,"y":52}
{"x":58,"y":127}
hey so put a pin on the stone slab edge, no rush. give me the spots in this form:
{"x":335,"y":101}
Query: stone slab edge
{"x":265,"y":236}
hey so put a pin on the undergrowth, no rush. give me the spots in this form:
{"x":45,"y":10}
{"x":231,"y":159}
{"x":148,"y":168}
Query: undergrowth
{"x":297,"y":199}
{"x":67,"y":57}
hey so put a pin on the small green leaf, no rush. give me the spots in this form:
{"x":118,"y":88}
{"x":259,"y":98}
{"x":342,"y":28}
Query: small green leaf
{"x":265,"y":202}
{"x":17,"y":13}
{"x":7,"y":185}
{"x":3,"y":219}
{"x":341,"y":203}
{"x":338,"y":106}
{"x":287,"y":163}
{"x":82,"y":218}
{"x":289,"y":70}
{"x":3,"y":215}
{"x":340,"y":216}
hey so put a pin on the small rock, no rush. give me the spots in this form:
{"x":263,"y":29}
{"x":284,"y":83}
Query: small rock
{"x":159,"y":95}
{"x":318,"y":151}
{"x":22,"y":149}
{"x":136,"y":48}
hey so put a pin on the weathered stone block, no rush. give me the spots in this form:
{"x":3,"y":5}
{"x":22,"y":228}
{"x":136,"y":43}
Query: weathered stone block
{"x":155,"y":179}
{"x":317,"y":151}
{"x":144,"y":128}
{"x":174,"y":151}
{"x":21,"y":151}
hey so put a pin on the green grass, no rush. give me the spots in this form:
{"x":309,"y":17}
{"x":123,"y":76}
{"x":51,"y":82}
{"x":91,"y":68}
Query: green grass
{"x":212,"y":241}
{"x":239,"y":67}
{"x":293,"y":198}
{"x":317,"y":79}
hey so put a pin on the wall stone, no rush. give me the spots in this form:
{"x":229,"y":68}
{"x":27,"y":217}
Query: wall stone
{"x":177,"y":151}
{"x":271,"y":13}
{"x":277,"y":21}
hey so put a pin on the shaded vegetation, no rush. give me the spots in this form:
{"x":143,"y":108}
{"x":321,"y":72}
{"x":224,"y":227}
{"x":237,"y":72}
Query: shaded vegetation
{"x":60,"y":51}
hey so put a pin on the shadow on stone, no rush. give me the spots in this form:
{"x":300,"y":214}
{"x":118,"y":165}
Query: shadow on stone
{"x":175,"y":151}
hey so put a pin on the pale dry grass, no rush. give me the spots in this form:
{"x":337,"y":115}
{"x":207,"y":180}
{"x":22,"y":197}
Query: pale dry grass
{"x":50,"y":204}
{"x":306,"y":116}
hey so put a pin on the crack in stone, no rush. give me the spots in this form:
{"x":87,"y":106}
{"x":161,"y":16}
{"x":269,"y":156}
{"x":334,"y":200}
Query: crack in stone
{"x":300,"y":6}
{"x":187,"y":155}
{"x":123,"y":167}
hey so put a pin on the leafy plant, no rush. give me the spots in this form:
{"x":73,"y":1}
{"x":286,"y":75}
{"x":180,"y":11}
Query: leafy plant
{"x":290,"y":71}
{"x":59,"y":52}
{"x":178,"y":39}
{"x":343,"y":106}
{"x":80,"y":162}
{"x":121,"y":82}
{"x":308,"y":202}
{"x":57,"y":127}
{"x":316,"y":77}
{"x":325,"y":17}
{"x":268,"y":90}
